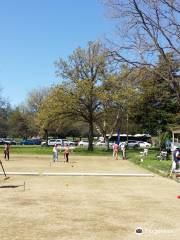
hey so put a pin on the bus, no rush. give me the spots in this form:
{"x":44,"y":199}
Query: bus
{"x":125,"y":138}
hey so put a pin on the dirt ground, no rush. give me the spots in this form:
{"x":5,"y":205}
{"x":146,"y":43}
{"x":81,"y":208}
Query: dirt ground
{"x":84,"y":208}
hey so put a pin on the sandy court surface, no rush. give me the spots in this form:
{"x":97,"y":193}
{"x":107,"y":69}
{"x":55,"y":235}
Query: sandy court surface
{"x":102,"y":208}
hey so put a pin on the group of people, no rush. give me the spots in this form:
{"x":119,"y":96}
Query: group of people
{"x":56,"y":153}
{"x":116,"y":149}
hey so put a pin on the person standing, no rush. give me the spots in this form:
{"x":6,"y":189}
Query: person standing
{"x":113,"y":148}
{"x":66,"y":152}
{"x":116,"y":150}
{"x":176,"y":157}
{"x":123,"y":149}
{"x":55,"y":153}
{"x":6,"y":150}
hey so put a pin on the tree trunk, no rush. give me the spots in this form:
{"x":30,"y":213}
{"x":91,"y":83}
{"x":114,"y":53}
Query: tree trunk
{"x":46,"y":136}
{"x":107,"y":139}
{"x":90,"y":137}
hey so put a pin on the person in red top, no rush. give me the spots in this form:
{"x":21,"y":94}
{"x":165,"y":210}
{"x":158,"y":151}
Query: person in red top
{"x":116,"y":150}
{"x":6,"y":150}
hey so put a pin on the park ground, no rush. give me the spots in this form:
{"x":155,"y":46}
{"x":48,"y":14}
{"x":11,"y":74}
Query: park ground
{"x":97,"y":208}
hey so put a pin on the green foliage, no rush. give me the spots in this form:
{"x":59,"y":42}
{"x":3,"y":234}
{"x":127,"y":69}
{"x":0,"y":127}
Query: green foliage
{"x":4,"y":113}
{"x":19,"y":124}
{"x":79,"y":97}
{"x":158,"y":105}
{"x":150,"y":162}
{"x":164,"y":136}
{"x":34,"y":100}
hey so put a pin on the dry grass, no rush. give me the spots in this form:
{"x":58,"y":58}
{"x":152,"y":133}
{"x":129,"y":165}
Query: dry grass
{"x":97,"y":208}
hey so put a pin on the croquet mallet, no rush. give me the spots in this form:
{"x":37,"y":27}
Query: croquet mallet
{"x":4,"y":171}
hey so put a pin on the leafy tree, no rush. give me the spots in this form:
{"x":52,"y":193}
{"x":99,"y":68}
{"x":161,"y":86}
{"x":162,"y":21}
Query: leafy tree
{"x":78,"y":98}
{"x":158,"y":105}
{"x":117,"y":98}
{"x":35,"y":98}
{"x":18,"y":124}
{"x":52,"y":120}
{"x":31,"y":108}
{"x":4,"y":112}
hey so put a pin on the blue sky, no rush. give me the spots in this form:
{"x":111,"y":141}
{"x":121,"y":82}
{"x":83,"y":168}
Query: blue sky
{"x":35,"y":33}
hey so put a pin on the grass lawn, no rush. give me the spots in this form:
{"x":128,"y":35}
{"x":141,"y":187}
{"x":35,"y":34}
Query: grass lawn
{"x":150,"y":162}
{"x":17,"y":149}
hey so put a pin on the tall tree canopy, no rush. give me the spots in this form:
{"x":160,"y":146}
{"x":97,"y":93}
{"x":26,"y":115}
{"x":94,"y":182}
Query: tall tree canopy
{"x":148,"y":29}
{"x":5,"y":109}
{"x":79,"y":97}
{"x":157,"y":104}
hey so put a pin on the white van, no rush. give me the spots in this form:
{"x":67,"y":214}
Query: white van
{"x":52,"y":142}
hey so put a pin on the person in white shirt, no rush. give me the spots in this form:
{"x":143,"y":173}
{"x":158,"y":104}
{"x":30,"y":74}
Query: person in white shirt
{"x":55,"y":153}
{"x":123,"y":149}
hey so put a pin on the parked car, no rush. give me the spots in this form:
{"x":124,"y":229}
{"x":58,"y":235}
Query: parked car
{"x":76,"y":142}
{"x":10,"y":141}
{"x":33,"y":141}
{"x":83,"y":143}
{"x":100,"y":144}
{"x":43,"y":143}
{"x":27,"y":142}
{"x":36,"y":141}
{"x":52,"y":142}
{"x":133,"y":144}
{"x":144,"y":144}
{"x":69,"y":143}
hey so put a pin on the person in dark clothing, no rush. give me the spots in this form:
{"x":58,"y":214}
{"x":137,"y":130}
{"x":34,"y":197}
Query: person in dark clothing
{"x":6,"y":150}
{"x":176,"y":157}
